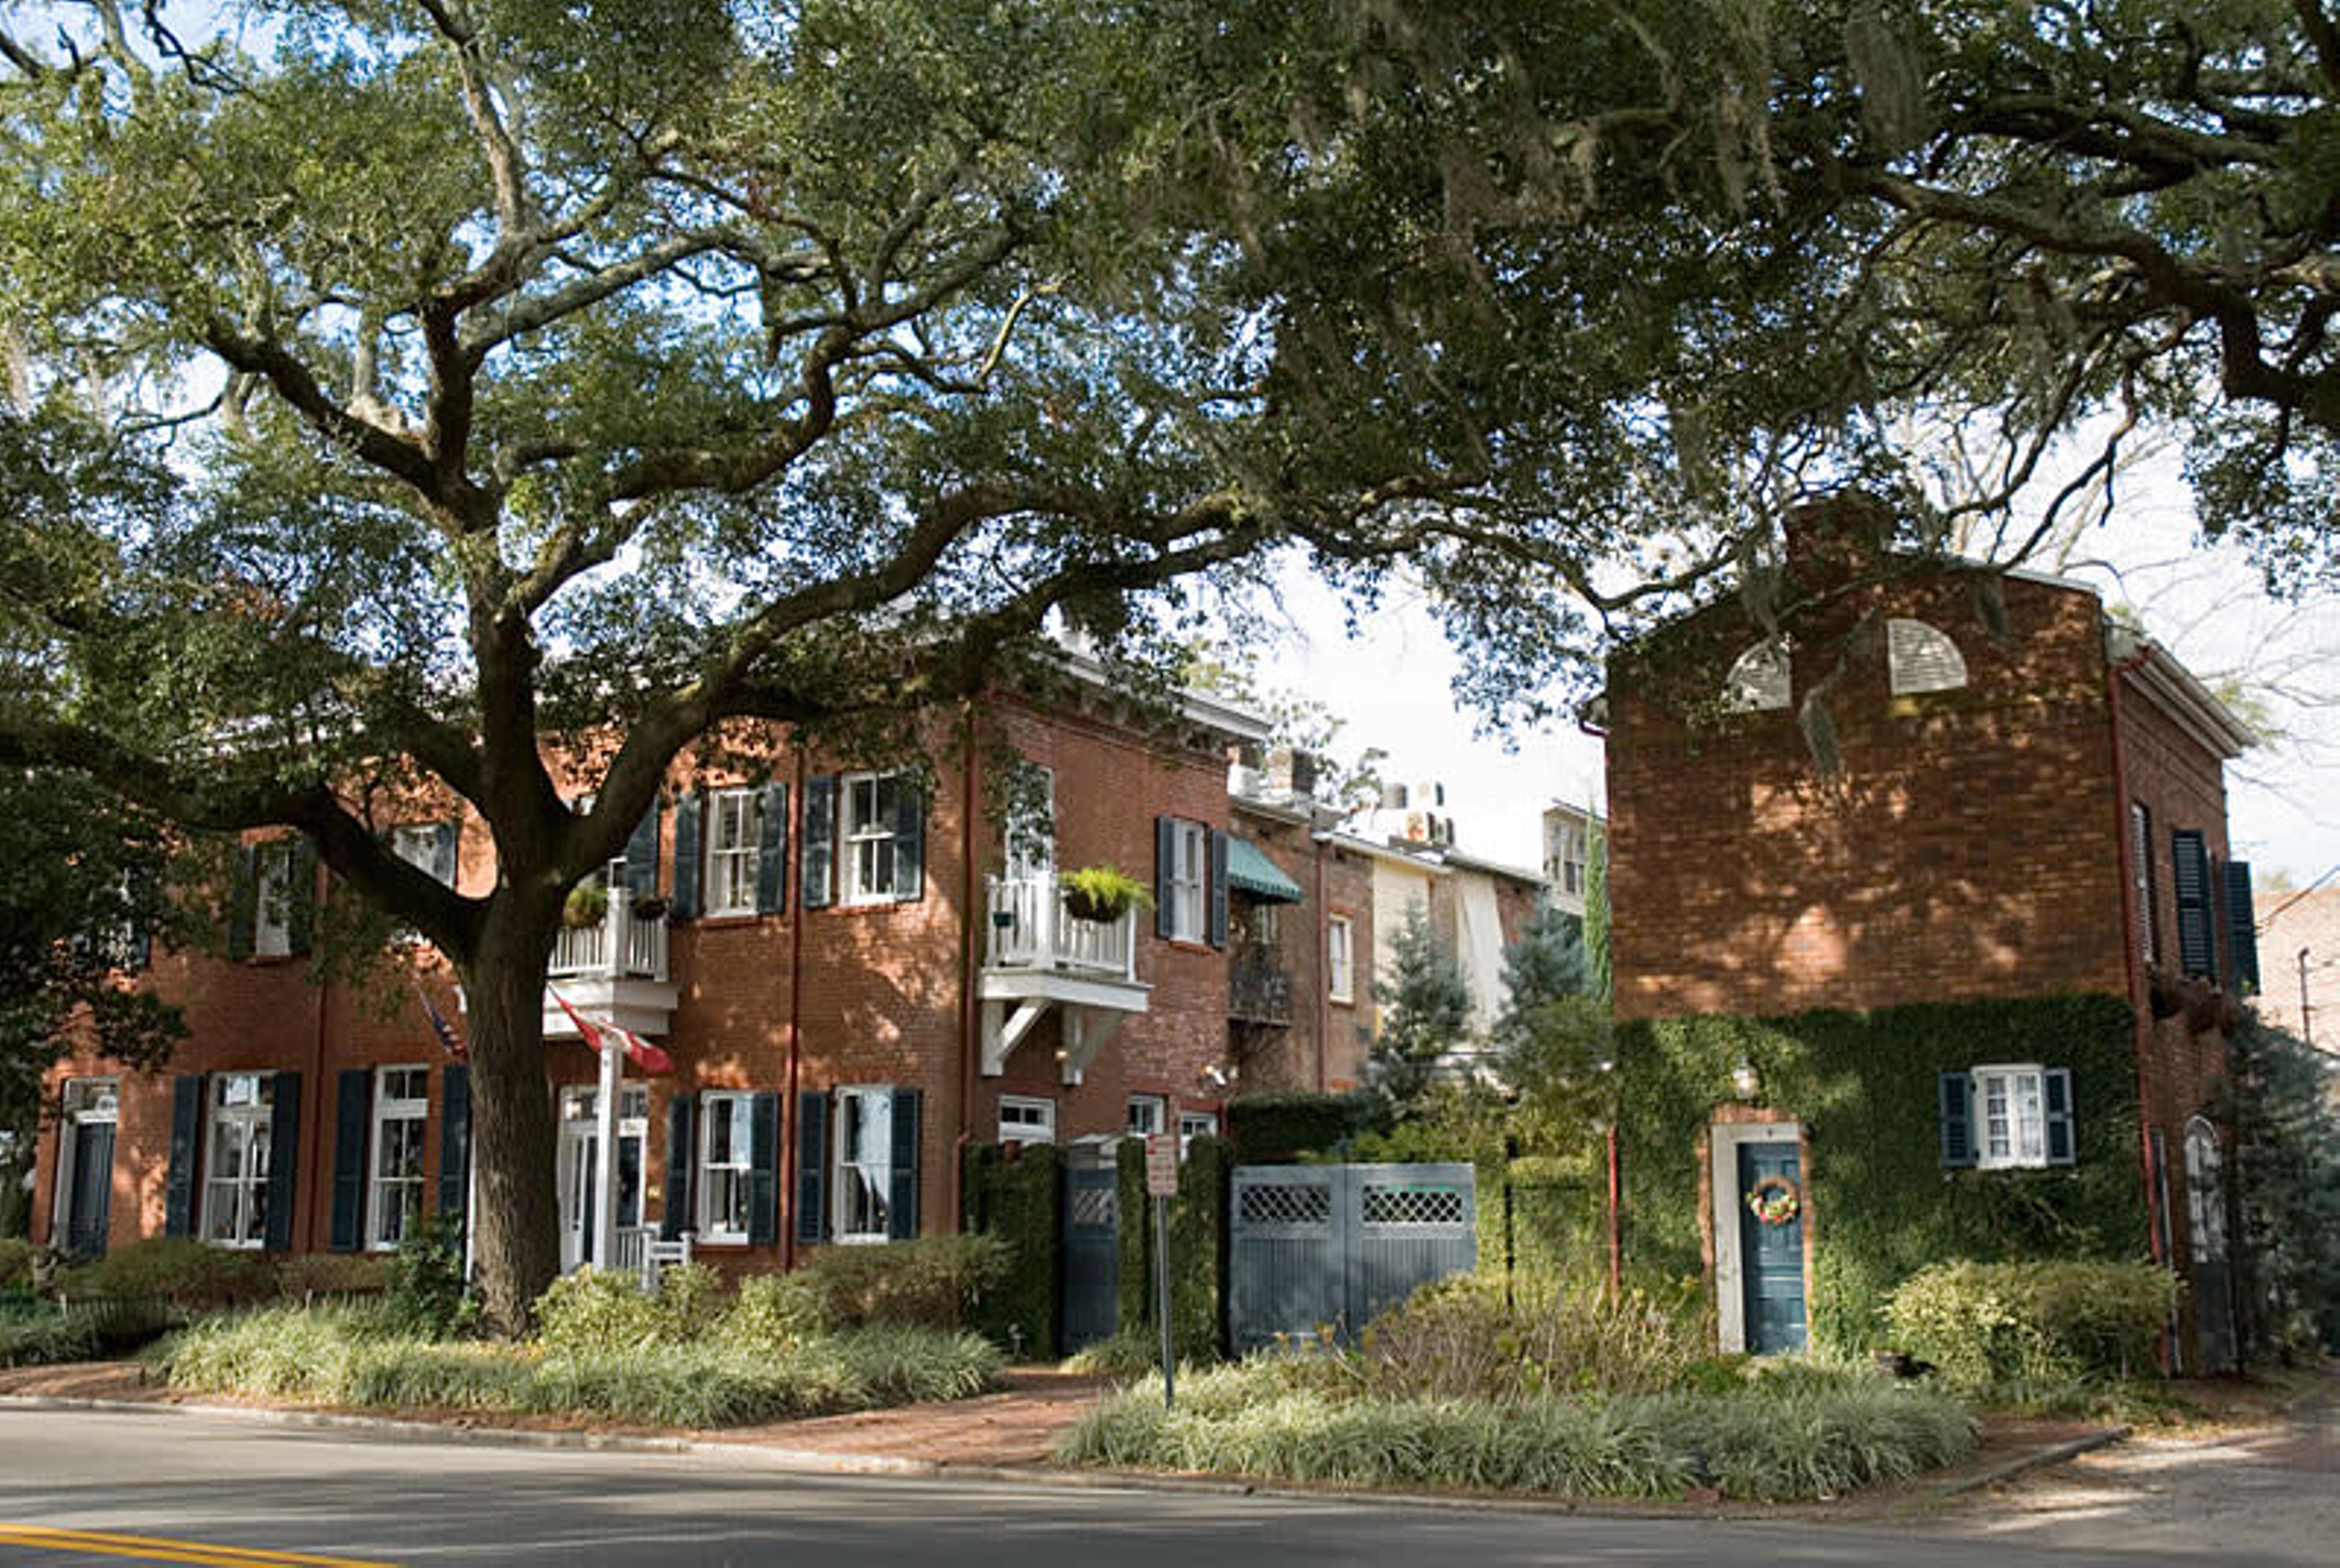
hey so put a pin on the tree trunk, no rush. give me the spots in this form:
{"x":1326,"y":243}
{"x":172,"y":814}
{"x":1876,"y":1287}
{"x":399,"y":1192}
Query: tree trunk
{"x":517,"y":1242}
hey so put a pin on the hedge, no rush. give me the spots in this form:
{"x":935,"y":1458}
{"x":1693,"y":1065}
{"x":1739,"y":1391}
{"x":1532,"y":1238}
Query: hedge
{"x":1021,"y":1202}
{"x":1198,"y":1248}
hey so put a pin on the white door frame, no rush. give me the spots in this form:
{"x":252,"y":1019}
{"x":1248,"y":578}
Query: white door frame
{"x":78,"y":1112}
{"x":1725,"y":1139}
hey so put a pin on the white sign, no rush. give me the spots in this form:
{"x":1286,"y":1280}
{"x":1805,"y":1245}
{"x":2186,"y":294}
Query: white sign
{"x":1162,"y":1165}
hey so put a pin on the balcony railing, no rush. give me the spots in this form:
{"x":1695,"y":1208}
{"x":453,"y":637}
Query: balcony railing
{"x":1258,"y":990}
{"x":625,"y":945}
{"x":1032,"y":929}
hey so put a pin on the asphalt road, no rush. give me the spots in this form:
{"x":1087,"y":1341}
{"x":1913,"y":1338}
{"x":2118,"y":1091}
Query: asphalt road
{"x":170,"y":1487}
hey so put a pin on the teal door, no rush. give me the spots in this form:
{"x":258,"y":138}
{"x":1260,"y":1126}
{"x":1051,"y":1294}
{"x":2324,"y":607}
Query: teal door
{"x":1771,"y":1247}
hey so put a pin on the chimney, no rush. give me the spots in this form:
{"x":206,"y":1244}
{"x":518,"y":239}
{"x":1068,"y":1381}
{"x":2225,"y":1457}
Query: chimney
{"x":1833,"y":539}
{"x":1292,"y":773}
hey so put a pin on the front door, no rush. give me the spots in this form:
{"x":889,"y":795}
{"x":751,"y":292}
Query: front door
{"x":580,"y":1155}
{"x":1771,"y":1247}
{"x":85,"y":1193}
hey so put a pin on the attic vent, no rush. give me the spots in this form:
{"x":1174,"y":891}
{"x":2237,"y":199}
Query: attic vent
{"x":1921,"y":659}
{"x":1758,"y":680}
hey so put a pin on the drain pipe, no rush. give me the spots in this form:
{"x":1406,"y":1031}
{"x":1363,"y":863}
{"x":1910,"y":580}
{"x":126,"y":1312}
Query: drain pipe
{"x":972,"y":932}
{"x":792,"y":1132}
{"x":2140,"y":1010}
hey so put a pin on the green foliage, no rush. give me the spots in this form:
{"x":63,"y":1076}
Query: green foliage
{"x":36,"y":1333}
{"x":2037,"y":1323}
{"x":937,"y":1282}
{"x":1478,"y":1337}
{"x":304,"y":1275}
{"x":1812,"y":1435}
{"x":594,"y":1312}
{"x":2287,"y":1179}
{"x":425,"y":1294}
{"x":1278,"y":1128}
{"x":1425,"y":1011}
{"x":1124,"y":1356}
{"x":174,"y":1270}
{"x":1864,"y":1086}
{"x":1019,"y":1201}
{"x":16,"y":1265}
{"x":1105,"y":892}
{"x":1198,"y":1251}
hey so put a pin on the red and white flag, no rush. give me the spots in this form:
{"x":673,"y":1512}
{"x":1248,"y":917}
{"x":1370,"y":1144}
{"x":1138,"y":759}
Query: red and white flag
{"x":592,"y":1031}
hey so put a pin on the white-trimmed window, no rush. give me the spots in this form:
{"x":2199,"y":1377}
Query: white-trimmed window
{"x":1148,"y":1115}
{"x":2010,"y":1105}
{"x":402,"y":1112}
{"x":865,"y":1164}
{"x":735,"y":822}
{"x":1919,"y":657}
{"x":1758,"y":679}
{"x":1026,"y":1119}
{"x":235,"y":1158}
{"x":874,"y":868}
{"x":272,"y":912}
{"x":1340,"y":958}
{"x":1192,"y":1125}
{"x":1188,"y":881}
{"x":726,"y":1163}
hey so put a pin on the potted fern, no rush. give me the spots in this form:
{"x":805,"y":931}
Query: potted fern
{"x":1104,"y":894}
{"x":588,"y":906}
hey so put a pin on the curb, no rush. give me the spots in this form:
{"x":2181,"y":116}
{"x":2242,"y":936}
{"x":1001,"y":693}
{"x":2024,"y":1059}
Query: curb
{"x":2037,"y":1458}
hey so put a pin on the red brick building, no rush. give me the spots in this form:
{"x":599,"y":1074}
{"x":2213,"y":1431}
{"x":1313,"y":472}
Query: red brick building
{"x":2026,"y":801}
{"x":854,"y":970}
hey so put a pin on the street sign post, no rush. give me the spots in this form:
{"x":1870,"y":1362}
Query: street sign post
{"x":1162,"y":1184}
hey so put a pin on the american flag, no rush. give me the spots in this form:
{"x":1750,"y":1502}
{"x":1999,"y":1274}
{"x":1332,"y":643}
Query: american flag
{"x":448,"y":1040}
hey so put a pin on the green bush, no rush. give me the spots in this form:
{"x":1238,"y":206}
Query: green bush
{"x":934,"y":1282}
{"x":314,"y":1274}
{"x":425,"y":1294}
{"x":1123,"y":1357}
{"x":176,"y":1269}
{"x":15,"y":1264}
{"x":1280,"y":1127}
{"x":1774,"y":1439}
{"x":595,"y":1313}
{"x":1020,"y":1201}
{"x":2033,"y":1324}
{"x":35,"y":1332}
{"x":1472,"y":1337}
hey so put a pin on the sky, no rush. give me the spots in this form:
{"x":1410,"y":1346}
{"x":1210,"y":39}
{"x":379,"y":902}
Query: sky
{"x":1391,"y":686}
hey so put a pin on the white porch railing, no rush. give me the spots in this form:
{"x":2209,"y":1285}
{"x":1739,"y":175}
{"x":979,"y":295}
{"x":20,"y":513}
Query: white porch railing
{"x":641,"y":1254}
{"x":1030,"y":929}
{"x":624,"y":945}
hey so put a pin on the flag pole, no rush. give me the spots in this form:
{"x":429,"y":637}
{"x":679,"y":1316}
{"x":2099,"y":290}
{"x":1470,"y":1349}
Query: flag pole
{"x":605,"y":1168}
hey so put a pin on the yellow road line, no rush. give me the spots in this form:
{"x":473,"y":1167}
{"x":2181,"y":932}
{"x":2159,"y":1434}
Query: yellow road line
{"x":158,"y":1549}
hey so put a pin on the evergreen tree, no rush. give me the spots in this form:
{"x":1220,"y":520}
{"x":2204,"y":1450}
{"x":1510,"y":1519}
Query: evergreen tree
{"x":2287,"y":1192}
{"x":1552,"y":1038}
{"x":1426,"y":1010}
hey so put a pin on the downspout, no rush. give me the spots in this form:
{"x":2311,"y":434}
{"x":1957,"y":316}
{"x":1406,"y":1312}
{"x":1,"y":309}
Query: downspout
{"x":2132,"y":962}
{"x":790,"y":1130}
{"x":971,"y":933}
{"x":313,"y":1134}
{"x":1323,"y":1008}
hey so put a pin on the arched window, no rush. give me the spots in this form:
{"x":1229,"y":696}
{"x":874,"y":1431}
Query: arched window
{"x":1921,"y":659}
{"x":1758,"y":680}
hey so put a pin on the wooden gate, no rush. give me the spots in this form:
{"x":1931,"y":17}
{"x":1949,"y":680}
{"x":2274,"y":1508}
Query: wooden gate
{"x":1323,"y":1248}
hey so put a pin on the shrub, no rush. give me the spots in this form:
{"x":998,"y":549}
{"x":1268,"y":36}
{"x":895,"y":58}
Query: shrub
{"x":933,"y":1282}
{"x":1122,"y":1357}
{"x":597,"y":1313}
{"x":15,"y":1264}
{"x":177,"y":1269}
{"x":1462,"y":1338}
{"x":314,"y":1274}
{"x":425,"y":1294}
{"x":34,"y":1333}
{"x":2033,"y":1324}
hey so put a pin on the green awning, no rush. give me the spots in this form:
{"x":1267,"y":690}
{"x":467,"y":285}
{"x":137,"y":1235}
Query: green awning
{"x":1256,"y":875}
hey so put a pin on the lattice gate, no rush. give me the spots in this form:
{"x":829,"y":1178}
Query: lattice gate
{"x":1311,"y":1247}
{"x":1092,"y":1254}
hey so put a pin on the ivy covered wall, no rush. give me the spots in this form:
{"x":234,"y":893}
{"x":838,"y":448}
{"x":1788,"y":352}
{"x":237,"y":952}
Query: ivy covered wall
{"x":1865,"y":1086}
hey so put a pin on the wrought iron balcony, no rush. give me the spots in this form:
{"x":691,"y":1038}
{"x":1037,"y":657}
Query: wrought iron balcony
{"x":1259,"y":991}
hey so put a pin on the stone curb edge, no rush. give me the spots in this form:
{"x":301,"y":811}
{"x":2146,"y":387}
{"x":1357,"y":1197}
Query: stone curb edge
{"x":816,"y":1462}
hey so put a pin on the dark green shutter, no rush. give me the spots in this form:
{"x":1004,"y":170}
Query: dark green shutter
{"x":764,"y":1170}
{"x":772,"y":852}
{"x":902,"y":1169}
{"x":818,"y":886}
{"x":2197,"y":952}
{"x":186,"y":1135}
{"x":1165,"y":858}
{"x":243,"y":902}
{"x":2242,"y":926}
{"x":1217,"y":843}
{"x":446,"y":863}
{"x":812,"y":1157}
{"x":909,"y":839}
{"x":689,"y":864}
{"x":681,"y":1166}
{"x":354,"y":1106}
{"x":2063,"y":1133}
{"x":454,"y":1139}
{"x":283,"y":1160}
{"x":642,"y":855}
{"x":300,"y":896}
{"x":1957,"y":1096}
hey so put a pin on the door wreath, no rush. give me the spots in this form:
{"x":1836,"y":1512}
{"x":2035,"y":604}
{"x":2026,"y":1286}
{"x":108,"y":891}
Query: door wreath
{"x":1774,"y":1200}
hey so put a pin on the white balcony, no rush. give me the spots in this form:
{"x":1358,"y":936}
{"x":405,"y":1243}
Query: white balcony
{"x":1042,"y":957}
{"x":615,"y":969}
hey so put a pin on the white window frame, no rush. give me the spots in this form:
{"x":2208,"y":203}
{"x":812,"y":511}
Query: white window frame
{"x":236,"y":1207}
{"x":726,"y":1218}
{"x":1026,"y":1119}
{"x":1148,"y":1115}
{"x":413,"y":1110}
{"x":735,"y":828}
{"x":868,"y":838}
{"x":1192,"y":1125}
{"x":271,"y":899}
{"x":1188,"y":882}
{"x":417,"y":844}
{"x":862,"y":1203}
{"x":1340,"y":958}
{"x":2020,"y":1141}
